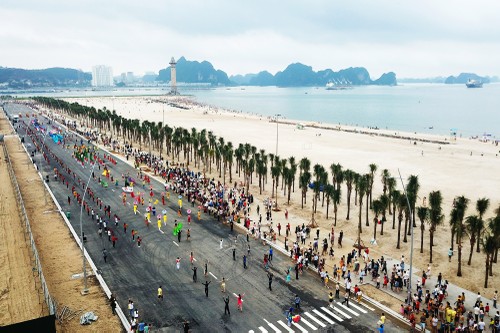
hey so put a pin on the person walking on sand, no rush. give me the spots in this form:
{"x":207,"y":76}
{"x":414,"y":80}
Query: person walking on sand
{"x":206,"y":287}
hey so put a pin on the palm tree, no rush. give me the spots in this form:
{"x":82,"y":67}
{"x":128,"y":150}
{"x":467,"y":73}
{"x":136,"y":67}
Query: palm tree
{"x":412,"y":192}
{"x":318,"y":174}
{"x":328,"y":189}
{"x":458,"y":214}
{"x":336,"y":200}
{"x":394,"y":199}
{"x":435,"y":216}
{"x":293,"y":170}
{"x":391,"y":186}
{"x":494,"y":225}
{"x":472,"y":224}
{"x":385,"y":177}
{"x":363,"y":186}
{"x":304,"y":181}
{"x":349,"y":179}
{"x":385,"y":201}
{"x":402,"y":207}
{"x":423,"y":214}
{"x":373,"y":169}
{"x":481,"y":207}
{"x":378,"y":207}
{"x":368,"y":199}
{"x":489,"y":245}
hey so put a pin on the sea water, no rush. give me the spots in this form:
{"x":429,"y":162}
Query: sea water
{"x":428,"y":108}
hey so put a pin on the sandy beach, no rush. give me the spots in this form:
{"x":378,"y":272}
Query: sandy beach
{"x":455,"y":167}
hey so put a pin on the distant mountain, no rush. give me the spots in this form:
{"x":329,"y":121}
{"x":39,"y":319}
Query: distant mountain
{"x":297,"y":75}
{"x":50,"y":77}
{"x":195,"y":72}
{"x":300,"y":75}
{"x":464,"y":77}
{"x":437,"y":79}
{"x":242,"y":80}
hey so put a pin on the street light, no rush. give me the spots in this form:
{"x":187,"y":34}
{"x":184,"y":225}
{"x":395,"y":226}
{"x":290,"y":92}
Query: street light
{"x":276,"y":117}
{"x":411,"y":248}
{"x":85,"y":290}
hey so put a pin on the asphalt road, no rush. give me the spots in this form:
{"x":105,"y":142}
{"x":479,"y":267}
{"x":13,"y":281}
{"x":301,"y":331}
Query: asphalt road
{"x":135,"y":273}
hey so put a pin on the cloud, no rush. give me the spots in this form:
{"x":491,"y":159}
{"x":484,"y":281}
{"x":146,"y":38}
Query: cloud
{"x":422,"y":38}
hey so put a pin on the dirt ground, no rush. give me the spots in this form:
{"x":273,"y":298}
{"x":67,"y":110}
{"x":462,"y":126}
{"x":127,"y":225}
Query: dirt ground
{"x":19,"y":298}
{"x":59,"y":254}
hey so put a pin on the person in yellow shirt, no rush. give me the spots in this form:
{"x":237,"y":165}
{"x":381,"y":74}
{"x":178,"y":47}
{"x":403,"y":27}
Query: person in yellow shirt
{"x":160,"y":294}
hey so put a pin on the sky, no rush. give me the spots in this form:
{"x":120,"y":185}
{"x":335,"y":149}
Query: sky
{"x":411,"y":38}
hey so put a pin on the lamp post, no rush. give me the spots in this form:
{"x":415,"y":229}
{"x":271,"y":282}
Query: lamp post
{"x":277,"y":123}
{"x":411,"y":245}
{"x":85,"y":290}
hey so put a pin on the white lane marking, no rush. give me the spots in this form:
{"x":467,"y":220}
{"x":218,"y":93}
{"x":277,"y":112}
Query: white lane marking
{"x":175,"y":243}
{"x":358,"y":308}
{"x":194,"y":259}
{"x":112,"y":190}
{"x":366,"y":306}
{"x":262,"y":329}
{"x":303,"y":320}
{"x":347,"y":309}
{"x":324,"y":317}
{"x":161,"y":231}
{"x":302,"y":329}
{"x":285,"y":326}
{"x":276,"y":330}
{"x":212,"y":275}
{"x":314,"y":319}
{"x":339,"y":311}
{"x":128,"y":203}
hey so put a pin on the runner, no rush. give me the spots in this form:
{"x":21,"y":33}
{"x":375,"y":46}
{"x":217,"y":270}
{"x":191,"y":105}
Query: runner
{"x":226,"y":305}
{"x":194,"y":269}
{"x":223,"y":285}
{"x":206,"y":287}
{"x":160,"y":294}
{"x":240,"y":302}
{"x":178,"y":263}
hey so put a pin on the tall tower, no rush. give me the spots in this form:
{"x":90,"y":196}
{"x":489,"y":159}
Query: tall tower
{"x":173,"y":79}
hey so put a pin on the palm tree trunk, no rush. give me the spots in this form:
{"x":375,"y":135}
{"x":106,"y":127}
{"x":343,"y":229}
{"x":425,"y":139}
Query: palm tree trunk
{"x":459,"y":270}
{"x":327,"y":205}
{"x":478,"y":238}
{"x":405,"y":238}
{"x":491,"y":265}
{"x":367,"y":207}
{"x":348,"y":204}
{"x":431,"y":239}
{"x":334,"y":214}
{"x":471,"y":250}
{"x":399,"y":233}
{"x":375,"y":228}
{"x":452,"y":238}
{"x":394,"y":217}
{"x":360,"y":214}
{"x":486,"y":268}
{"x":422,"y":237}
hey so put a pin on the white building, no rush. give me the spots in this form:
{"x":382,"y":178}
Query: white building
{"x":102,"y":76}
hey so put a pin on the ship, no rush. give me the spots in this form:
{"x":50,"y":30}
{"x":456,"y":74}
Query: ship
{"x":338,"y":85}
{"x":474,"y":84}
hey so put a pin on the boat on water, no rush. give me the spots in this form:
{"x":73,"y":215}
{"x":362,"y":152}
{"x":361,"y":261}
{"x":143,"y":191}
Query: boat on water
{"x":474,"y":84}
{"x":338,"y":85}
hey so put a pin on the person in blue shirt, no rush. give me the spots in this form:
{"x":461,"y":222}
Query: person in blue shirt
{"x":140,"y":327}
{"x":380,"y":329}
{"x":270,"y":254}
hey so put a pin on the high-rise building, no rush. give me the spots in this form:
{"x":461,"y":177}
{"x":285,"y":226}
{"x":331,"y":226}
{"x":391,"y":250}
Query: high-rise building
{"x":102,"y":76}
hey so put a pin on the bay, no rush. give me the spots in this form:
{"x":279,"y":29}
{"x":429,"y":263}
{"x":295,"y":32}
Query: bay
{"x":425,"y":108}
